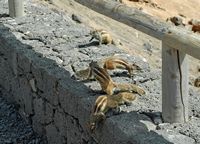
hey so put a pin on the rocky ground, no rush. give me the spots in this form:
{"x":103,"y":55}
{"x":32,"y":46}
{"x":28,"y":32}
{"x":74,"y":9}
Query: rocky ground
{"x":13,"y":128}
{"x":52,"y":43}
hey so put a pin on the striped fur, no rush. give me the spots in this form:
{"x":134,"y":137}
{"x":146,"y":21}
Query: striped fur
{"x":115,"y":62}
{"x":104,"y":103}
{"x":102,"y":76}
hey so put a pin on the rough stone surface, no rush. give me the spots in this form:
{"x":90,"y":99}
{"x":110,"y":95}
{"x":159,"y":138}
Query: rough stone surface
{"x":39,"y":54}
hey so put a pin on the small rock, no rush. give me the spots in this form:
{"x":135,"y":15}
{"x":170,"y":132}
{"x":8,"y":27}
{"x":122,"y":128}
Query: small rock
{"x":196,"y":28}
{"x":156,"y":117}
{"x":149,"y":125}
{"x":32,"y":84}
{"x":76,"y":18}
{"x":194,"y":22}
{"x":176,"y":20}
{"x":197,"y":82}
{"x":182,"y":15}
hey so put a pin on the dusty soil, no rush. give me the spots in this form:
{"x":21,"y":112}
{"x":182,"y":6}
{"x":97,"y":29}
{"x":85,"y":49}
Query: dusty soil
{"x":162,"y":9}
{"x":165,"y":9}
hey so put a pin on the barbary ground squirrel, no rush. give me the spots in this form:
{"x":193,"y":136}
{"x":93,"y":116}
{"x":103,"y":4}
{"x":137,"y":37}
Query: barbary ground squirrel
{"x":107,"y":84}
{"x":102,"y":36}
{"x":104,"y":103}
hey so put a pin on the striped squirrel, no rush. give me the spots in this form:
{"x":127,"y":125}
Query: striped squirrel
{"x":110,"y":63}
{"x":104,"y":103}
{"x":106,"y":82}
{"x":114,"y":62}
{"x":102,"y":76}
{"x":102,"y":36}
{"x":82,"y":74}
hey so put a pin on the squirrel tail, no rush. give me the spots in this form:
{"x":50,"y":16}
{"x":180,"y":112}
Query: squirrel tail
{"x":130,"y":88}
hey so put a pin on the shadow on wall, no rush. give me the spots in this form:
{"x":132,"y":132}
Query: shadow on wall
{"x":56,"y":105}
{"x":43,"y":91}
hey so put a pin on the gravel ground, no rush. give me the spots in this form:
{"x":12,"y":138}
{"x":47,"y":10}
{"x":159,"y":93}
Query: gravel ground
{"x":13,"y":128}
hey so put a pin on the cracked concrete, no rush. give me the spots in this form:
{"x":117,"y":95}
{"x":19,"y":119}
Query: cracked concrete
{"x":39,"y":54}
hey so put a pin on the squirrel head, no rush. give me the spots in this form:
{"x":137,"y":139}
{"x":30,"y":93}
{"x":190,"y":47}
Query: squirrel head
{"x":95,"y":118}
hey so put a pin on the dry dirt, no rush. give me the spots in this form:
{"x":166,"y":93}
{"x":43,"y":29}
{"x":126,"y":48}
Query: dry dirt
{"x":188,"y":8}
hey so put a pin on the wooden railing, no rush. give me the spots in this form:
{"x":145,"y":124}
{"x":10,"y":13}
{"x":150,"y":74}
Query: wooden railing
{"x":16,"y":8}
{"x":176,"y":44}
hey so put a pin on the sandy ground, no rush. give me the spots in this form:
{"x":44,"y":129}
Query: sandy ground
{"x":169,"y":8}
{"x":186,"y":9}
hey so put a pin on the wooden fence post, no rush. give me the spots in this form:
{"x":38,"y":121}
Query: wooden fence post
{"x":16,"y":8}
{"x":174,"y":84}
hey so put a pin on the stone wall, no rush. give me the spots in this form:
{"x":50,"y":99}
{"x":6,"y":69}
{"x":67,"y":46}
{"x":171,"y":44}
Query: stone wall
{"x":51,"y":103}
